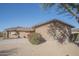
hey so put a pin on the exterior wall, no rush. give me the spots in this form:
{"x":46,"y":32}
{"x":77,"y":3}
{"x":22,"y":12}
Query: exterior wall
{"x":13,"y":34}
{"x":24,"y":34}
{"x":44,"y":30}
{"x":6,"y":34}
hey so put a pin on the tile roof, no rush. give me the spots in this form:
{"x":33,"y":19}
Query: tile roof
{"x":19,"y":29}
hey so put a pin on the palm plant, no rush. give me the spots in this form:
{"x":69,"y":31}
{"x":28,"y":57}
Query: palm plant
{"x":72,"y":8}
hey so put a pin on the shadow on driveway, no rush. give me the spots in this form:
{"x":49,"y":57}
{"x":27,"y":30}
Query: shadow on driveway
{"x":8,"y":52}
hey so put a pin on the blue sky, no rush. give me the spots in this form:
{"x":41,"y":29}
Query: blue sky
{"x":27,"y":15}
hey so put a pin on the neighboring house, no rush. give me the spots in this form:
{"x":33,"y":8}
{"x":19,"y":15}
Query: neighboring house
{"x":56,"y":28}
{"x":18,"y":32}
{"x":75,"y":30}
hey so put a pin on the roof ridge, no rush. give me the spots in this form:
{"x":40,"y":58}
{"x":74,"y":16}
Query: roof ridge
{"x":52,"y":21}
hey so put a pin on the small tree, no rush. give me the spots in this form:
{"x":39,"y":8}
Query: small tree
{"x":58,"y":32}
{"x":69,"y":8}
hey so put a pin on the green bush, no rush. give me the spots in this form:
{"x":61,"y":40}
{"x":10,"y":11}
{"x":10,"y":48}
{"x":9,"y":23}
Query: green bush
{"x":36,"y":38}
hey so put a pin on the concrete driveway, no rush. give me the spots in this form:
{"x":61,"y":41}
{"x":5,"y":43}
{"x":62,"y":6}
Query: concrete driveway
{"x":22,"y":47}
{"x":10,"y":46}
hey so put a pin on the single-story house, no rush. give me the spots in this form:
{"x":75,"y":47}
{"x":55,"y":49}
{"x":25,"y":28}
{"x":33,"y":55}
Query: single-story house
{"x":56,"y":28}
{"x":18,"y":32}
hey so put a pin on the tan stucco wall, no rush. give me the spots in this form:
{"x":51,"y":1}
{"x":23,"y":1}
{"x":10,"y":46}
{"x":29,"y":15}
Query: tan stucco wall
{"x":11,"y":35}
{"x":21,"y":34}
{"x":66,"y":48}
{"x":43,"y":31}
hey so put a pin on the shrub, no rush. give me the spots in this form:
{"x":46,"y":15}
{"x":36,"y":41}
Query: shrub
{"x":75,"y":38}
{"x":1,"y":34}
{"x":36,"y":38}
